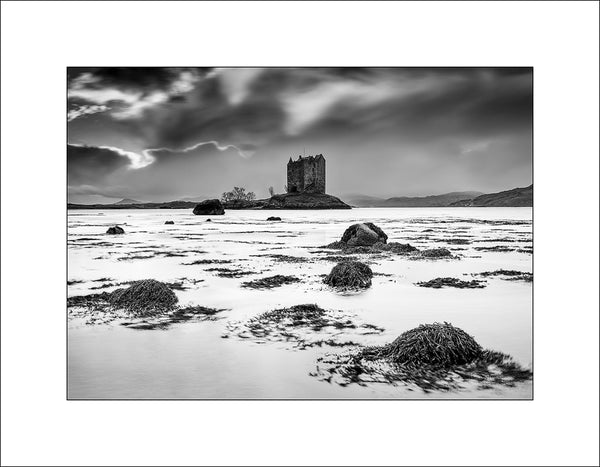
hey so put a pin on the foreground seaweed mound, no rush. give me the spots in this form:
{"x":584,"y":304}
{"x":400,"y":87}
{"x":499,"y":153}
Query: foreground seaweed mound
{"x":146,"y":304}
{"x":434,"y":356}
{"x":365,"y":234}
{"x":145,"y":296}
{"x":303,"y":326}
{"x":350,"y":275}
{"x":433,"y":344}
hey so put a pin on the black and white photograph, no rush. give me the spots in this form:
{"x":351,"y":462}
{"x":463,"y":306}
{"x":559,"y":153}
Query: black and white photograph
{"x":311,"y":233}
{"x":300,"y":233}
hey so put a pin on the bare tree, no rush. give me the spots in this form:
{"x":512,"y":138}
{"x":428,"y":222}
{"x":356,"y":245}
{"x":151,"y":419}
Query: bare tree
{"x":238,"y":194}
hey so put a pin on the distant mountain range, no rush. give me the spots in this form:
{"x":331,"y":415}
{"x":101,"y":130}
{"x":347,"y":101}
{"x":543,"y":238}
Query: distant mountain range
{"x":517,"y":197}
{"x":412,"y":202}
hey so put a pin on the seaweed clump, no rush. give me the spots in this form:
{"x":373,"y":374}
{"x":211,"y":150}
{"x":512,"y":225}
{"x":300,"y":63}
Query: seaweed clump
{"x":350,"y":275}
{"x":436,"y":356}
{"x":432,"y":344}
{"x":144,"y":297}
{"x":440,"y":282}
{"x":304,"y":326}
{"x":509,"y":275}
{"x":435,"y":253}
{"x":270,"y":282}
{"x":179,"y":315}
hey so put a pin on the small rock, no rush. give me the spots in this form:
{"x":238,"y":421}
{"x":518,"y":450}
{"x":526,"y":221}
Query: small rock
{"x":169,"y":222}
{"x":115,"y":230}
{"x":273,"y":218}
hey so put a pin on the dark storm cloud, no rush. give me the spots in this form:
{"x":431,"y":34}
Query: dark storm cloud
{"x":144,"y":78}
{"x":90,"y":164}
{"x":424,"y":120}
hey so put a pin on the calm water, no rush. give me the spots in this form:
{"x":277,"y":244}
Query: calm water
{"x":192,"y":360}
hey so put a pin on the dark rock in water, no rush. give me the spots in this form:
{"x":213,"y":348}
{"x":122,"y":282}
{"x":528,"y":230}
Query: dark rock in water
{"x":208,"y":220}
{"x":115,"y":230}
{"x":209,"y":207}
{"x":144,"y":297}
{"x":440,"y":282}
{"x":169,"y":222}
{"x":436,"y":253}
{"x":273,"y":218}
{"x":350,"y":275}
{"x":366,"y":234}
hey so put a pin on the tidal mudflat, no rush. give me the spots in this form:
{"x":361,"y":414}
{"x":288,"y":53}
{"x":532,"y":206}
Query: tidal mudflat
{"x":237,"y":331}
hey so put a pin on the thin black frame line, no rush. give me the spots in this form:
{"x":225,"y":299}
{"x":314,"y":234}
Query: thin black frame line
{"x":309,"y":399}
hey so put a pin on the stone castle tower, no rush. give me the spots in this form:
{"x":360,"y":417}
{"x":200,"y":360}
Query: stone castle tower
{"x":307,"y":175}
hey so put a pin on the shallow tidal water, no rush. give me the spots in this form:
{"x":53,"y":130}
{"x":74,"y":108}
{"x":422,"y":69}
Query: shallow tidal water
{"x":192,"y":360}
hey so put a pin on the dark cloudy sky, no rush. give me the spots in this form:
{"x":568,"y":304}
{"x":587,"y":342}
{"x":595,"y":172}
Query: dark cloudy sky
{"x":159,"y":134}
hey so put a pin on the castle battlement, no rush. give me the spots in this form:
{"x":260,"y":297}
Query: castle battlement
{"x":306,"y":175}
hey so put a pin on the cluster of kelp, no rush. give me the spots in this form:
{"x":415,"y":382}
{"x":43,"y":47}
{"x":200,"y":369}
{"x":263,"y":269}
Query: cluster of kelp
{"x":431,"y":357}
{"x":302,"y":326}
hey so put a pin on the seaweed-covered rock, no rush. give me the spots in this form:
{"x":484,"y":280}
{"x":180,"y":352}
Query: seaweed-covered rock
{"x":169,"y":222}
{"x":274,"y":218}
{"x":433,"y":357}
{"x":365,"y":234}
{"x":115,"y":230}
{"x":350,"y":275}
{"x":437,"y":344}
{"x":209,"y":207}
{"x":144,"y":297}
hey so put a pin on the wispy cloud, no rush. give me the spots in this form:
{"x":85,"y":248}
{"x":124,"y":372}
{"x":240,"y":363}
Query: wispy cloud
{"x":132,"y":102}
{"x":81,"y":110}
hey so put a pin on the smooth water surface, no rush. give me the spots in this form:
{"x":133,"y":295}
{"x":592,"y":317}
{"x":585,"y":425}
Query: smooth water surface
{"x":193,"y":360}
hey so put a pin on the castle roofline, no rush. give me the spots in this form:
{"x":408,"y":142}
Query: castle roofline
{"x":309,"y":158}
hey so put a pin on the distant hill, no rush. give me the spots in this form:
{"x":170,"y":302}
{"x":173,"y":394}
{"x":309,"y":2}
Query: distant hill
{"x":136,"y":205}
{"x":128,"y":201}
{"x":517,"y":197}
{"x":364,"y":201}
{"x":443,"y":200}
{"x":196,"y":199}
{"x":430,"y":201}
